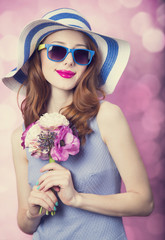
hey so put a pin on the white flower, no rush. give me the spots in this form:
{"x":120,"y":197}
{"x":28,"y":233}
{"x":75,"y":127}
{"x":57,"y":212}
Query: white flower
{"x":52,"y":121}
{"x":32,"y":134}
{"x":34,"y":146}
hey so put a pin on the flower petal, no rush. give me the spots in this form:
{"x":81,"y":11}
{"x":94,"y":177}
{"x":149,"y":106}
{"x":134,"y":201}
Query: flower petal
{"x":68,"y":138}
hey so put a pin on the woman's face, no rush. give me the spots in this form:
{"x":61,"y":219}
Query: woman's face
{"x":53,"y":71}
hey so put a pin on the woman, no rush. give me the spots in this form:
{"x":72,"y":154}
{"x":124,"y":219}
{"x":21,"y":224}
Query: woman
{"x":64,"y":66}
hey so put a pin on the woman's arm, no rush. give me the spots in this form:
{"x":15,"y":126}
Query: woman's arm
{"x":29,"y":200}
{"x":117,"y":136}
{"x":138,"y":197}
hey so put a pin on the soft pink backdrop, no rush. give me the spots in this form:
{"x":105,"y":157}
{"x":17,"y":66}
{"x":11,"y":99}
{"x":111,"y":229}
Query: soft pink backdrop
{"x":140,"y":93}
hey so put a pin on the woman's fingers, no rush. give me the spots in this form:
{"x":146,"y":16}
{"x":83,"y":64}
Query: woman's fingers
{"x":46,"y":199}
{"x":48,"y":177}
{"x":62,"y":179}
{"x":55,"y":179}
{"x":51,"y":182}
{"x":51,"y":166}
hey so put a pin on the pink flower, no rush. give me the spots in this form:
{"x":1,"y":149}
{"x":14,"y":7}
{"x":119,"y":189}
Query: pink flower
{"x":51,"y":136}
{"x":64,"y":144}
{"x":25,"y":133}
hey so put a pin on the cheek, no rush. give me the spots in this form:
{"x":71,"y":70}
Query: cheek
{"x":82,"y":70}
{"x":80,"y":74}
{"x":44,"y":70}
{"x":47,"y":67}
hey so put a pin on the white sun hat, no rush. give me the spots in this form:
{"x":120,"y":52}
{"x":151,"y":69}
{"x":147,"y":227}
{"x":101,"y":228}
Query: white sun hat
{"x":114,"y":52}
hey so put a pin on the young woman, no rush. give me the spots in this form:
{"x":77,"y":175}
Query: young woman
{"x":63,"y":66}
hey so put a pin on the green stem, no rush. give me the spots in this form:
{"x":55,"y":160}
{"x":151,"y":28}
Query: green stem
{"x":51,"y":160}
{"x":40,"y":210}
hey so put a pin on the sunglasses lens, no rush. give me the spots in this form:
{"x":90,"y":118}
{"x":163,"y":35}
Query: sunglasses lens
{"x":82,"y":56}
{"x":57,"y":53}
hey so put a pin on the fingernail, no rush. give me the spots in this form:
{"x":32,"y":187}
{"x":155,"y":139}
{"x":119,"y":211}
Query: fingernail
{"x":37,"y":182}
{"x":38,"y":187}
{"x":56,"y":204}
{"x":55,"y":208}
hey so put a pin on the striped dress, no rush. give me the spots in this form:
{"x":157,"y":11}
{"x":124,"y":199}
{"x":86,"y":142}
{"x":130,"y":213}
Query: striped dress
{"x":93,"y":171}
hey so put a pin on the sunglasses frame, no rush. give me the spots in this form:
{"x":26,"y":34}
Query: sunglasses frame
{"x":68,"y":50}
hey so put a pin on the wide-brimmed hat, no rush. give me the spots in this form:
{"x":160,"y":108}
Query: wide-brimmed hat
{"x":114,"y":52}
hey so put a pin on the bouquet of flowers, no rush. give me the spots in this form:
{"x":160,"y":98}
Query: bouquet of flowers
{"x":51,"y":138}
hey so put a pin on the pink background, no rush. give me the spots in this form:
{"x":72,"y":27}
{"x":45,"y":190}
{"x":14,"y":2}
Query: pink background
{"x":140,"y":93}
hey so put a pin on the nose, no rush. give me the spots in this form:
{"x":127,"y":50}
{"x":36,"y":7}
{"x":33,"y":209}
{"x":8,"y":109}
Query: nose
{"x":69,"y":60}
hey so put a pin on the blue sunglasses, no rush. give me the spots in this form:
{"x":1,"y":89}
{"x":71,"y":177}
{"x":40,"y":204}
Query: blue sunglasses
{"x":58,"y":53}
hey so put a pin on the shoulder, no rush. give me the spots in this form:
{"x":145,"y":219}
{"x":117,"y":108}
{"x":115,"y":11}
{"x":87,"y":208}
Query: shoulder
{"x":110,"y":118}
{"x":109,"y":112}
{"x":16,"y":135}
{"x":17,"y":132}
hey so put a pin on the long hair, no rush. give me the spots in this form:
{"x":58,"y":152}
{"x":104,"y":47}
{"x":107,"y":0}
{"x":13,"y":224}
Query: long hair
{"x":85,"y":104}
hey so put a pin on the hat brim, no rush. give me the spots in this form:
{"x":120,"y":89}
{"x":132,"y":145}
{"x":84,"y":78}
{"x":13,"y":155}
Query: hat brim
{"x":114,"y":53}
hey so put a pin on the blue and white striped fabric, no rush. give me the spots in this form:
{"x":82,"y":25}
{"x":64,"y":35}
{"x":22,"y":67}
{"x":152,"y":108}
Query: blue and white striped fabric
{"x":114,"y":52}
{"x":70,"y":18}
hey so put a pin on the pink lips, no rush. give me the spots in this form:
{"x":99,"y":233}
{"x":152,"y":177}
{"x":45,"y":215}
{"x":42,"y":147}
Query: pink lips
{"x":65,"y":73}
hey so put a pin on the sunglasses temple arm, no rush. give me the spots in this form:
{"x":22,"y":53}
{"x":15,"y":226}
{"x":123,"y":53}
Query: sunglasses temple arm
{"x":41,"y":46}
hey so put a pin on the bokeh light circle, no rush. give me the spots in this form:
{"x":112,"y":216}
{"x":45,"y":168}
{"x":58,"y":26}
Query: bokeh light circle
{"x":141,"y":22}
{"x":85,"y":8}
{"x":130,"y":3}
{"x":153,"y":40}
{"x":140,"y":96}
{"x":154,"y":116}
{"x":151,"y":152}
{"x":152,"y":82}
{"x":109,"y":6}
{"x":161,"y":14}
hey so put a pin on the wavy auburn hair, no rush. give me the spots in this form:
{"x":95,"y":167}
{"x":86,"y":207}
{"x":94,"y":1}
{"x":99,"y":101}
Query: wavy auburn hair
{"x":85,"y":104}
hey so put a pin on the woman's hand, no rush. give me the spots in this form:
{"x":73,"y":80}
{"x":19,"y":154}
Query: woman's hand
{"x":37,"y":199}
{"x":58,"y":178}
